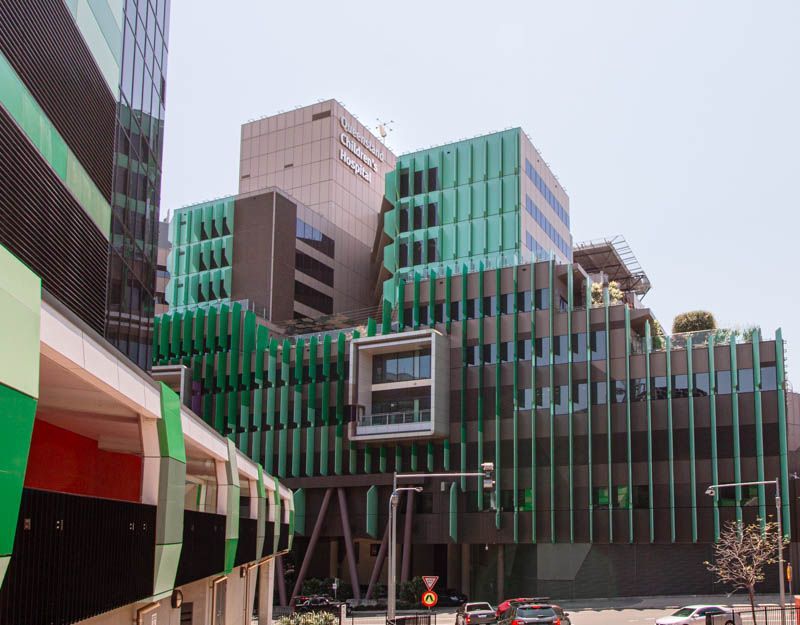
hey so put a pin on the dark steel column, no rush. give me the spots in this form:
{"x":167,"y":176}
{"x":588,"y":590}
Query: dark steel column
{"x":312,"y":544}
{"x":406,"y":563}
{"x":348,"y":543}
{"x":279,"y":573}
{"x":376,"y":570}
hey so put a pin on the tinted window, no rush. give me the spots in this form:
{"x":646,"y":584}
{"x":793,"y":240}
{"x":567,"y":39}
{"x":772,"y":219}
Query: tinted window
{"x":535,"y":612}
{"x":745,"y":380}
{"x":433,"y":179}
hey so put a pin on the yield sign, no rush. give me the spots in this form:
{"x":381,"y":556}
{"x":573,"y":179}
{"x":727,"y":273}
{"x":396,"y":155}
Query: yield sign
{"x":430,"y":581}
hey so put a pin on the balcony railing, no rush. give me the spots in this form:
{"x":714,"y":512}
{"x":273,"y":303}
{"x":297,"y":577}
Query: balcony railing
{"x":203,"y":552}
{"x":76,"y":557}
{"x":394,"y":418}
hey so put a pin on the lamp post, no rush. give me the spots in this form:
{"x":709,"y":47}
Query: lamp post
{"x":712,"y":491}
{"x":487,"y":473}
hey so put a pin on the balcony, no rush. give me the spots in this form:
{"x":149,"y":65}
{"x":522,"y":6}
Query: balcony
{"x":203,"y":552}
{"x":76,"y":557}
{"x":394,"y":422}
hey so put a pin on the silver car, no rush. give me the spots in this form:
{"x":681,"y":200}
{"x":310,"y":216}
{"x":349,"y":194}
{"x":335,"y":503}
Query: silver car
{"x":475,"y":613}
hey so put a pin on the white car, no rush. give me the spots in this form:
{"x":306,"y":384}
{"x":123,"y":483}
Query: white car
{"x":696,"y":615}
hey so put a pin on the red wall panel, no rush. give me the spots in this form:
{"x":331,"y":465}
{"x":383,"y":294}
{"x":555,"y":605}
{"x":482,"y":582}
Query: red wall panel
{"x":66,"y":462}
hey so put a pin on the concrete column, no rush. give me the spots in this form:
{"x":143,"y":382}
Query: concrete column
{"x":453,"y":570}
{"x":501,"y":572}
{"x":465,"y":569}
{"x":266,"y":591}
{"x":312,"y":543}
{"x":376,"y":570}
{"x":280,"y":574}
{"x":348,"y":543}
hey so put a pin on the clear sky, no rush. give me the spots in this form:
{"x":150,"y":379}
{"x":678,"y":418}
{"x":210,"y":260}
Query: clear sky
{"x":673,"y":123}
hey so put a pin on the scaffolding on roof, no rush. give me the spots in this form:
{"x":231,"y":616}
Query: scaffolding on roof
{"x":613,"y":257}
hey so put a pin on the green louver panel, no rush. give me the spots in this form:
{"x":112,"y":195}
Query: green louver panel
{"x":481,"y":316}
{"x":780,"y":370}
{"x":570,"y":406}
{"x":609,"y":430}
{"x":372,"y":511}
{"x":311,"y":409}
{"x":515,"y":406}
{"x":340,"y":373}
{"x":324,"y":440}
{"x":628,"y":422}
{"x":31,"y":119}
{"x":759,"y":425}
{"x":283,"y":433}
{"x":712,"y":411}
{"x":589,"y":401}
{"x":463,"y":392}
{"x":272,"y":378}
{"x":651,"y":504}
{"x":352,"y":450}
{"x":692,"y":463}
{"x":297,"y":409}
{"x":737,"y":454}
{"x":498,"y":464}
{"x":670,"y":442}
{"x":453,"y":525}
{"x":534,"y":489}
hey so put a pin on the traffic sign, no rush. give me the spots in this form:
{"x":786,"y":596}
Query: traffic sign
{"x":430,"y":581}
{"x":429,"y":598}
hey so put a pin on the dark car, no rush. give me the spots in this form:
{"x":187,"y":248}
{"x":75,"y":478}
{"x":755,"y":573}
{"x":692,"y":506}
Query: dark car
{"x":451,"y":597}
{"x":506,"y":605}
{"x":532,"y":614}
{"x":319,"y":604}
{"x":475,"y":613}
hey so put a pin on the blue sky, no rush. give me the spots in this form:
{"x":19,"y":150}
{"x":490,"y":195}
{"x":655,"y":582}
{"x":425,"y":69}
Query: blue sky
{"x":675,"y":124}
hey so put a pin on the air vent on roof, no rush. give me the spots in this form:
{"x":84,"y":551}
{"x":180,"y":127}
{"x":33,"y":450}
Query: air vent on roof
{"x":321,"y":115}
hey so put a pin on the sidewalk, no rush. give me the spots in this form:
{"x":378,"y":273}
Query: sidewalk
{"x":667,"y":602}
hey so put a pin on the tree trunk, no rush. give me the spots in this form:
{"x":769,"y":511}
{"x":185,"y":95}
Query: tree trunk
{"x":751,"y":593}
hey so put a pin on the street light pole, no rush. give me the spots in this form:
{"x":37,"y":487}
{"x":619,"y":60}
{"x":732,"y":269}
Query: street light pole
{"x":391,"y":591}
{"x":712,"y":491}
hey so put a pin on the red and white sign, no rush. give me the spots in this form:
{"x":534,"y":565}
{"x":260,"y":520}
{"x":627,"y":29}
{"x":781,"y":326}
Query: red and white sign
{"x":430,"y":581}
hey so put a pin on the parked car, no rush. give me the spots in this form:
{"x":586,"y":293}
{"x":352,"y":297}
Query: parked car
{"x":504,"y":606}
{"x":531,"y":614}
{"x":320,"y":604}
{"x":475,"y":613}
{"x":696,"y":614}
{"x":451,"y":597}
{"x":561,"y":614}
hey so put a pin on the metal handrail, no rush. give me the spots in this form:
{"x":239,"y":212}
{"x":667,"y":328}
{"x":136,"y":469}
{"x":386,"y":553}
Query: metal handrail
{"x":395,"y":418}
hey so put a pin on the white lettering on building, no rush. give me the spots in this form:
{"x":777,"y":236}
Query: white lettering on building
{"x":350,"y":139}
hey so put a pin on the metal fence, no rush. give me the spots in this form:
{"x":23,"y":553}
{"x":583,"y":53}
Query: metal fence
{"x":765,"y":615}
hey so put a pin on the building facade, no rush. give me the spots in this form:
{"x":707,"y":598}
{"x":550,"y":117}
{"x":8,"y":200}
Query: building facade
{"x":491,"y":198}
{"x":604,"y":436}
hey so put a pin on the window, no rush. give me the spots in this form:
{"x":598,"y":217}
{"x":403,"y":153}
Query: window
{"x":680,"y":385}
{"x":489,"y":306}
{"x":433,"y":251}
{"x":312,"y":267}
{"x":769,"y":378}
{"x":404,"y":183}
{"x":746,"y":381}
{"x":658,"y":387}
{"x":560,"y":399}
{"x":524,"y":349}
{"x":423,"y":314}
{"x":542,"y":299}
{"x":723,"y":382}
{"x":543,"y":397}
{"x":598,"y":393}
{"x":507,"y":304}
{"x":403,"y":223}
{"x":433,"y":179}
{"x":433,"y":216}
{"x":524,"y":301}
{"x":473,"y":355}
{"x":472,"y":308}
{"x":401,"y":367}
{"x":580,"y":397}
{"x":402,"y":261}
{"x":560,"y":349}
{"x":639,"y":389}
{"x":313,"y":237}
{"x":490,"y":353}
{"x":579,"y":347}
{"x":597,"y":343}
{"x":408,"y":317}
{"x":418,"y":223}
{"x":438,"y":313}
{"x":418,"y":182}
{"x":455,"y":311}
{"x":641,"y":496}
{"x":700,"y":385}
{"x":313,"y":298}
{"x":620,"y":392}
{"x":417,"y":252}
{"x":563,"y":306}
{"x":524,"y":398}
{"x":542,"y":351}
